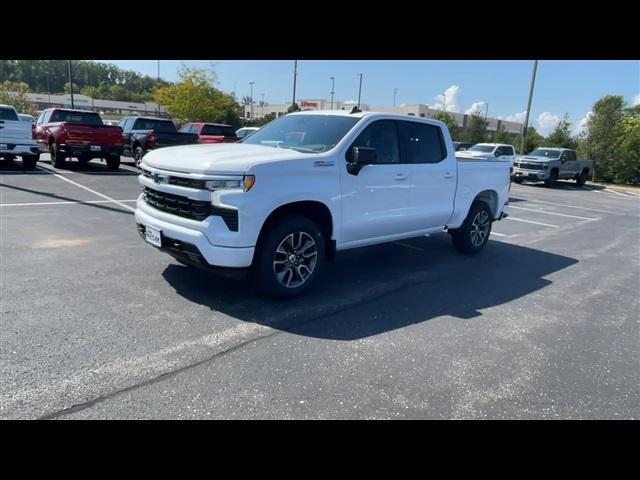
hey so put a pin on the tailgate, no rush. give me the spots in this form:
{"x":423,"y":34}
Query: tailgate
{"x":16,"y":132}
{"x":104,"y":135}
{"x":169,"y":139}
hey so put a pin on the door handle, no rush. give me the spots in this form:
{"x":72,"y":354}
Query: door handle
{"x":400,"y":176}
{"x":448,"y":175}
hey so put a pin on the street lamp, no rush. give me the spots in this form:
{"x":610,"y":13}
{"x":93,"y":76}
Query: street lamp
{"x":71,"y":84}
{"x":395,"y":90}
{"x":262,"y":106}
{"x":251,"y":101}
{"x":333,"y":80}
{"x":295,"y":74}
{"x":444,"y":101}
{"x":526,"y":120}
{"x":359,"y":90}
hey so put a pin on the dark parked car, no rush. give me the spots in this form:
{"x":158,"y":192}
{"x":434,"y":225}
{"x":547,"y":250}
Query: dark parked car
{"x":458,"y":146}
{"x":211,"y":132}
{"x":141,"y":134}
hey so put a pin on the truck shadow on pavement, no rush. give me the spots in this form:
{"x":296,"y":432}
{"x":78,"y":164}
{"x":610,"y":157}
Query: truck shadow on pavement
{"x":381,"y":288}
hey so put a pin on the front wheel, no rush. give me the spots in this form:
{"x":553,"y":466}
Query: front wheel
{"x":582,"y":178}
{"x":138,"y":153}
{"x":473,"y":235}
{"x":517,"y":180}
{"x":57,"y":159}
{"x":552,"y":180}
{"x":289,"y":258}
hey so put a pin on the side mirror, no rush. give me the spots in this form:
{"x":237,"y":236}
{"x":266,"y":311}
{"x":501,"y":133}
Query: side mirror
{"x":497,"y":154}
{"x":359,"y":157}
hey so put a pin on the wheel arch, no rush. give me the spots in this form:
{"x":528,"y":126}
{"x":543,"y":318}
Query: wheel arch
{"x":490,"y":197}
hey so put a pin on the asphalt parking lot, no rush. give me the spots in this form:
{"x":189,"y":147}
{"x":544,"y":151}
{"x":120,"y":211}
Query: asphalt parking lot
{"x":98,"y":324}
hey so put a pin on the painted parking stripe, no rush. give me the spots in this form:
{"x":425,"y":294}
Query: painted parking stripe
{"x":91,"y":190}
{"x":498,"y":234}
{"x":554,"y":213}
{"x":33,"y":204}
{"x":533,"y":200}
{"x":531,"y":221}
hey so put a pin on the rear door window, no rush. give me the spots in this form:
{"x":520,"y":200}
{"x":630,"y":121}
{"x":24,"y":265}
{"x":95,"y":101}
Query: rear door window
{"x":218,"y":130}
{"x":421,"y":142}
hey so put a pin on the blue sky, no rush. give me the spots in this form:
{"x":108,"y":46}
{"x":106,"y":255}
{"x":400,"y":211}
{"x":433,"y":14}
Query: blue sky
{"x":561,"y":86}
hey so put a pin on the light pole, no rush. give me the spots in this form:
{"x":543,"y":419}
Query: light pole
{"x":295,"y":74}
{"x":71,"y":84}
{"x":333,"y":80}
{"x":158,"y":80}
{"x":444,"y":101}
{"x":251,"y":102}
{"x":526,"y":120}
{"x":262,"y":106}
{"x":395,"y":90}
{"x":359,"y":90}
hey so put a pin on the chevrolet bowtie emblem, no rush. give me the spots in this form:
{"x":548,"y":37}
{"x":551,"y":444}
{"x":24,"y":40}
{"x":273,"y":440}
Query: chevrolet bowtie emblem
{"x":159,"y":178}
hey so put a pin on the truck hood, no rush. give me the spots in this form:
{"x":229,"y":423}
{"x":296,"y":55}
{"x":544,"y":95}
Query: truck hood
{"x":232,"y":158}
{"x":468,"y":154}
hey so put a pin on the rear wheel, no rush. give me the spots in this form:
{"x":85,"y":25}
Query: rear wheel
{"x":29,"y":161}
{"x":552,"y":180}
{"x":473,"y":234}
{"x":138,"y":153}
{"x":517,"y":180}
{"x":9,"y":158}
{"x":289,"y":258}
{"x":113,"y":163}
{"x":582,"y":178}
{"x":57,"y":159}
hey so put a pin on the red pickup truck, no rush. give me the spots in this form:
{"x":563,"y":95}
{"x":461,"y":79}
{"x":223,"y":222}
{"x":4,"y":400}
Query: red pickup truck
{"x":211,"y":132}
{"x":65,"y":133}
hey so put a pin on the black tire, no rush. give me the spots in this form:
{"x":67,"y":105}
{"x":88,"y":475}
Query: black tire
{"x":517,"y":180}
{"x":113,"y":163}
{"x":273,"y":269}
{"x":57,"y":159}
{"x":582,"y":178}
{"x":473,"y":234}
{"x":29,"y":161}
{"x":553,"y":179}
{"x":9,"y":158}
{"x":84,"y":159}
{"x":138,"y":153}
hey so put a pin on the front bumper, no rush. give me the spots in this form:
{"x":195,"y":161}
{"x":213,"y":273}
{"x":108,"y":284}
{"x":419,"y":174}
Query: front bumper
{"x":213,"y":255}
{"x":530,"y":174}
{"x":74,"y":150}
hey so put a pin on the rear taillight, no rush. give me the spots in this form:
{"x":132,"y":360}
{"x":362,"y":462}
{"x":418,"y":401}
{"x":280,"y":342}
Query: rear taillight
{"x":33,"y":131}
{"x":151,"y":139}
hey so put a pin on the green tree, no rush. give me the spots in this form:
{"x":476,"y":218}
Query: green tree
{"x":195,"y":98}
{"x":534,"y":140}
{"x":15,"y":94}
{"x":450,"y":121}
{"x":561,"y":137}
{"x":605,"y":132}
{"x":476,"y":129}
{"x":266,"y":119}
{"x":293,"y":108}
{"x":501,"y":135}
{"x":627,"y":164}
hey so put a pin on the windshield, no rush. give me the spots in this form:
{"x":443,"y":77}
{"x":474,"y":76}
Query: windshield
{"x":79,"y":118}
{"x":304,"y":133}
{"x":218,"y":130}
{"x":545,"y":153}
{"x":159,"y":126}
{"x":481,"y":148}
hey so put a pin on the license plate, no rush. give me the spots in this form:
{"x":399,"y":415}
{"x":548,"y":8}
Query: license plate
{"x":95,"y":148}
{"x":153,"y":236}
{"x":3,"y":146}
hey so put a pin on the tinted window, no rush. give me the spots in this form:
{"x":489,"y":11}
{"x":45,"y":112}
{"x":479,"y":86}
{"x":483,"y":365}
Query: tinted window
{"x":160,"y":126}
{"x":305,"y":133}
{"x":8,"y":114}
{"x":541,"y":152}
{"x":188,"y":128}
{"x":421,"y":143}
{"x":80,"y":118}
{"x":381,"y":135}
{"x":571,"y":156}
{"x":218,"y":130}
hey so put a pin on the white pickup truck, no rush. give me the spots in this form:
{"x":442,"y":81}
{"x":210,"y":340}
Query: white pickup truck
{"x":17,"y":138}
{"x":309,"y":184}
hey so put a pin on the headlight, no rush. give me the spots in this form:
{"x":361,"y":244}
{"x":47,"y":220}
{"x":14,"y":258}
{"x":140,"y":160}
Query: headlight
{"x":245,"y":183}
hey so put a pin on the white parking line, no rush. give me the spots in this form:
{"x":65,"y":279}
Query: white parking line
{"x":554,"y":213}
{"x":90,"y":190}
{"x":626,"y":195}
{"x":531,"y":221}
{"x":532,"y":200}
{"x":29,"y":204}
{"x":498,"y":234}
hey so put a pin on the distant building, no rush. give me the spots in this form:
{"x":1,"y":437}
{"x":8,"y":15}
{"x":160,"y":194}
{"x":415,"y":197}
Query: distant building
{"x":83,"y":102}
{"x":417,"y":110}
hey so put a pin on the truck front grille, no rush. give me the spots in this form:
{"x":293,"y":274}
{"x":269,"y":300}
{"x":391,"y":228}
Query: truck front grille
{"x":180,"y":181}
{"x":189,"y":208}
{"x":177,"y":204}
{"x":530,"y":166}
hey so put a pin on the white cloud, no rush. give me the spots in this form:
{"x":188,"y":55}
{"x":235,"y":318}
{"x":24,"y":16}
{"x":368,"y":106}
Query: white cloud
{"x":519,"y":117}
{"x":478,"y":107}
{"x":582,"y":124}
{"x":547,"y":121}
{"x":451,"y":97}
{"x":636,"y":100}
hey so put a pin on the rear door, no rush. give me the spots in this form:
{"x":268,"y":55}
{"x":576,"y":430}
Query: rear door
{"x":431,"y":175}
